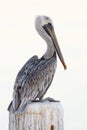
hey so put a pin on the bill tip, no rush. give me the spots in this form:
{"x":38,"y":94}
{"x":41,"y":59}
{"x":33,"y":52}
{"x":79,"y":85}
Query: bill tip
{"x":65,"y":67}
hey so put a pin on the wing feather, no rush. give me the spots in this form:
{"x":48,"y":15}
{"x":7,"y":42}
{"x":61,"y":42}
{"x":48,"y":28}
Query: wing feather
{"x":33,"y":80}
{"x":25,"y":71}
{"x":20,"y":79}
{"x":39,"y":79}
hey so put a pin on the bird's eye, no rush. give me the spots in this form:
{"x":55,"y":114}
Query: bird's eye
{"x":50,"y":25}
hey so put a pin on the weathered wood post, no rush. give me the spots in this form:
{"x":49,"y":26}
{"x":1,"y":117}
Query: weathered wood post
{"x":38,"y":116}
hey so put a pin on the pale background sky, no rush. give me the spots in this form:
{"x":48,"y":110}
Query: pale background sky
{"x":19,"y":41}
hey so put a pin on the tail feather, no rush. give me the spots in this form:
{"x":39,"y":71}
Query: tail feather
{"x":13,"y":106}
{"x":10,"y":107}
{"x":16,"y":100}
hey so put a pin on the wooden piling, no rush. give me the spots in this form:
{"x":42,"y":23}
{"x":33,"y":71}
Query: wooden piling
{"x":38,"y":116}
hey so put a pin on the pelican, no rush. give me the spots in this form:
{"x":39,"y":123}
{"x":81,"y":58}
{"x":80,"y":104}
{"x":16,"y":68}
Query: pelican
{"x":35,"y":77}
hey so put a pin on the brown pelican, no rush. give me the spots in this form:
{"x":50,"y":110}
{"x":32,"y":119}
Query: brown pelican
{"x":35,"y":77}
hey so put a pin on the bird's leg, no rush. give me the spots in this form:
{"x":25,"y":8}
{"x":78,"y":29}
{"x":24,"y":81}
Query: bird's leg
{"x":50,"y":100}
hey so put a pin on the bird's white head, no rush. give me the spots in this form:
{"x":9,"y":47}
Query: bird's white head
{"x":43,"y":20}
{"x":44,"y":27}
{"x":40,"y":22}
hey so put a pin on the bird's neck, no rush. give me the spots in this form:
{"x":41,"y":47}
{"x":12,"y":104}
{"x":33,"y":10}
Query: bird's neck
{"x":50,"y":49}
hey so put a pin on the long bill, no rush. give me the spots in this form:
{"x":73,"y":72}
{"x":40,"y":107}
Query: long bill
{"x":51,"y":32}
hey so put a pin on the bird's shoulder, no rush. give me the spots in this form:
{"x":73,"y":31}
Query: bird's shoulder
{"x":46,"y":64}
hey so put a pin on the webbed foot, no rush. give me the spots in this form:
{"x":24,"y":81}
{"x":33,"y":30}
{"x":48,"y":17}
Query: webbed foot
{"x":49,"y":99}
